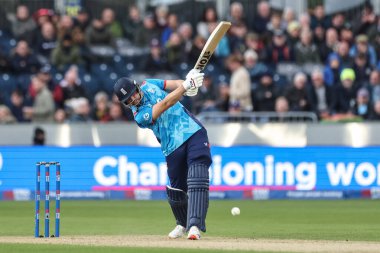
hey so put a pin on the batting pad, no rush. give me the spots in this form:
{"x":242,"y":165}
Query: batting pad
{"x":178,"y":203}
{"x":198,"y":192}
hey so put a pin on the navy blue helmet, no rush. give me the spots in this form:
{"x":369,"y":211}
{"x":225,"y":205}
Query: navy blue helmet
{"x":124,"y":88}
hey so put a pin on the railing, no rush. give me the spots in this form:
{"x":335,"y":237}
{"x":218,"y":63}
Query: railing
{"x":259,"y":117}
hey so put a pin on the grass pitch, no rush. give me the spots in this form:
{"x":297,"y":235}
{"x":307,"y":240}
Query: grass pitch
{"x":349,"y":220}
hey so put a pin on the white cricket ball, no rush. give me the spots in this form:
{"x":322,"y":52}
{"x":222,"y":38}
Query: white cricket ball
{"x":235,"y":211}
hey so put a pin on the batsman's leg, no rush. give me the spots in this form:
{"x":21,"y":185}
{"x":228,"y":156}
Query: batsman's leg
{"x":178,"y":203}
{"x":198,"y":192}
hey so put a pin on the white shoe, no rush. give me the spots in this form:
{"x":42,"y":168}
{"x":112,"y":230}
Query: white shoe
{"x":177,"y":232}
{"x":194,"y":233}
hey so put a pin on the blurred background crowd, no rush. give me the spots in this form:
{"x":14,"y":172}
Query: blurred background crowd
{"x":61,"y":67}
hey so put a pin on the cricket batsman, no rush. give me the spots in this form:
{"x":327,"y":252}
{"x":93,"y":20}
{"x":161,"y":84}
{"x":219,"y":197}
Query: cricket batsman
{"x":184,"y":142}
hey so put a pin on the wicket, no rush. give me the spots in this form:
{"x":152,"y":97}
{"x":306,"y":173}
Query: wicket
{"x":47,"y":198}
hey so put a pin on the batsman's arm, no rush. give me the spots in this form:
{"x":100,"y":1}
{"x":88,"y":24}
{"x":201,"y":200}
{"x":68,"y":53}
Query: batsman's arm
{"x":172,"y":98}
{"x":171,"y":85}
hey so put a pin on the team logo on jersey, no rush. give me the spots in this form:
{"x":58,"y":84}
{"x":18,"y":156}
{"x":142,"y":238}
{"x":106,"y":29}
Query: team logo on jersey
{"x":123,"y":91}
{"x":146,"y":116}
{"x":151,"y":90}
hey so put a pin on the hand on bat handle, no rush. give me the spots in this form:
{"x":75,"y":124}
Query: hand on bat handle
{"x":193,"y":81}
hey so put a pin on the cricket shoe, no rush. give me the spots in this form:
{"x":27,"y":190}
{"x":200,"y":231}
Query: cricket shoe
{"x":194,"y":233}
{"x":177,"y":232}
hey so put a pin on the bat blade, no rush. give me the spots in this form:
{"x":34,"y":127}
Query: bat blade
{"x":211,"y":44}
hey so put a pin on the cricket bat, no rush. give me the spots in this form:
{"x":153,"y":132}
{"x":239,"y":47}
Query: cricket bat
{"x":211,"y":44}
{"x":209,"y":48}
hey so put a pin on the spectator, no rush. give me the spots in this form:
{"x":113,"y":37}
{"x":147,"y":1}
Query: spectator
{"x":265,"y":95}
{"x":223,"y":98}
{"x":112,"y":25}
{"x":304,"y":21}
{"x":345,"y":60}
{"x":330,"y":45}
{"x":209,"y":16}
{"x":44,"y":74}
{"x":43,"y":103}
{"x":198,"y":44}
{"x":253,"y":42}
{"x":148,"y":32}
{"x":170,"y":28}
{"x":279,"y":51}
{"x":156,"y":61}
{"x":6,"y":116}
{"x":374,"y":34}
{"x":64,"y":26}
{"x":161,"y":12}
{"x":46,"y":41}
{"x":98,"y":34}
{"x":239,"y":29}
{"x":185,"y":30}
{"x":362,"y":106}
{"x":275,"y":23}
{"x":362,"y":69}
{"x":345,"y":94}
{"x":366,"y":19}
{"x":71,"y":85}
{"x":338,"y":21}
{"x":39,"y":137}
{"x":288,"y":16}
{"x":133,"y":23}
{"x":318,"y":18}
{"x":374,"y":86}
{"x":375,"y":114}
{"x":281,"y":106}
{"x":297,"y":94}
{"x":204,"y":101}
{"x":22,"y":25}
{"x":240,"y":85}
{"x":80,"y":110}
{"x":82,"y":20}
{"x":23,"y":60}
{"x":346,"y":34}
{"x":294,"y":31}
{"x":262,"y":18}
{"x":363,"y":47}
{"x":256,"y":69}
{"x":320,"y":95}
{"x":66,"y":53}
{"x":43,"y":16}
{"x":319,"y":39}
{"x":16,"y":105}
{"x":306,"y":51}
{"x":100,"y":111}
{"x":116,"y":113}
{"x":175,"y":50}
{"x":332,"y":70}
{"x":60,"y":116}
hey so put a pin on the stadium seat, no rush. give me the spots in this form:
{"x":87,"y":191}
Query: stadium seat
{"x":280,"y":81}
{"x":108,"y":81}
{"x":288,"y":69}
{"x":101,"y":69}
{"x":8,"y":83}
{"x":23,"y":82}
{"x":90,"y":84}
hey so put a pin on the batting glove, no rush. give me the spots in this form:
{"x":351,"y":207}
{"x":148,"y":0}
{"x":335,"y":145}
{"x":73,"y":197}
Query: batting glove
{"x":194,"y":81}
{"x":192,"y":72}
{"x":191,"y":92}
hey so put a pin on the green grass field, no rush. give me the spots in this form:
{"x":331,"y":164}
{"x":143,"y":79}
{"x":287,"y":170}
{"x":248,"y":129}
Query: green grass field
{"x":352,"y":220}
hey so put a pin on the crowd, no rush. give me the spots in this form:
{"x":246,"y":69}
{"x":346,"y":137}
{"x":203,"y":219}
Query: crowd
{"x":279,"y":62}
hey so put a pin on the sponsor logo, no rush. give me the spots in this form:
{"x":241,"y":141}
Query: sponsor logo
{"x":204,"y":60}
{"x":123,"y":91}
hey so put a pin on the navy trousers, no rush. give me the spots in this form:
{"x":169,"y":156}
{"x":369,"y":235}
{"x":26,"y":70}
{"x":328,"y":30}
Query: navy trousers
{"x":196,"y":150}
